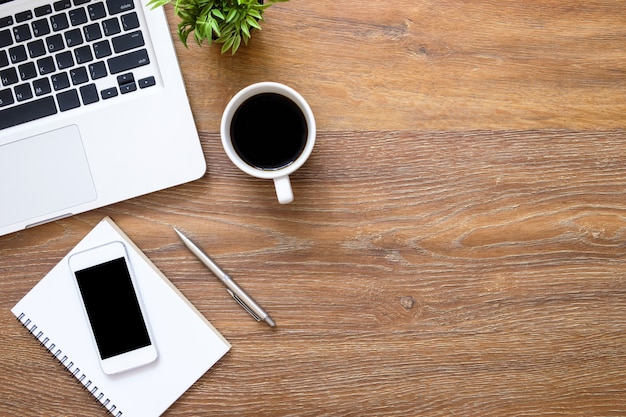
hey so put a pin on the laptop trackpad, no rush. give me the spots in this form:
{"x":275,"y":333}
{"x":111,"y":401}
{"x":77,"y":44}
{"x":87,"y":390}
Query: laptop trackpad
{"x":43,"y":174}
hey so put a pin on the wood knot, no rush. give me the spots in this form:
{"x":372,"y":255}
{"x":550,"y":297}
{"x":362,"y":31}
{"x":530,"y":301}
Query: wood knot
{"x":407,"y":302}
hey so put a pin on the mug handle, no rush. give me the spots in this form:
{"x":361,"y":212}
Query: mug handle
{"x":283,"y":189}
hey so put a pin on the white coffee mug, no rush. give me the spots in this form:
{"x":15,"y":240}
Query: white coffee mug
{"x":268,"y":131}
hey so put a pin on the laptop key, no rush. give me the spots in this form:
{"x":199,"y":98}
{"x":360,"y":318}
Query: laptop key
{"x":128,"y":41}
{"x":4,"y":59}
{"x":65,"y":60}
{"x":73,"y":37}
{"x":126,"y":82}
{"x":96,"y":11}
{"x":125,"y":78}
{"x":6,"y":21}
{"x":60,"y":81}
{"x":97,"y":70}
{"x":83,"y":54}
{"x":61,"y":5}
{"x":46,"y":65}
{"x":92,"y":32}
{"x":108,"y":93}
{"x":102,"y":49}
{"x":128,"y":88}
{"x":68,"y":100}
{"x":22,"y":33}
{"x":6,"y":97}
{"x":128,"y":61}
{"x":42,"y":86}
{"x":5,"y":38}
{"x":111,"y":26}
{"x":89,"y":94}
{"x":119,"y":6}
{"x":79,"y":75}
{"x":8,"y":76}
{"x":41,"y":27}
{"x":43,"y":10}
{"x":27,"y":112}
{"x":130,"y":21}
{"x":78,"y":16}
{"x":55,"y":43}
{"x":17,"y":54}
{"x":23,"y":16}
{"x":59,"y":22}
{"x":27,"y":71}
{"x":23,"y":92}
{"x":36,"y":48}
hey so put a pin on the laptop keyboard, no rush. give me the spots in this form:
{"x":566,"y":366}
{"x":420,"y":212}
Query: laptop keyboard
{"x":69,"y":54}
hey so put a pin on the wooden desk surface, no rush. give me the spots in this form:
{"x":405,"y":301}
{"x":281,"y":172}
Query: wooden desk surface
{"x":456,"y":245}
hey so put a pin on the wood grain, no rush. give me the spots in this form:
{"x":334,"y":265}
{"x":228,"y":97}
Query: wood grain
{"x":432,"y":65}
{"x":456,"y":242}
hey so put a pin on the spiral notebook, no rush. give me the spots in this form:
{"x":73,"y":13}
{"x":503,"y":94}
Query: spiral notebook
{"x":187,"y":343}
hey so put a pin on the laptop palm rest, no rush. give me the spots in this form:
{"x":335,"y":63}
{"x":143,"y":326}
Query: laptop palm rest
{"x":44,"y":174}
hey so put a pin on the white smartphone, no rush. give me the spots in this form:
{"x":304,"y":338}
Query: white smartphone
{"x":113,"y":307}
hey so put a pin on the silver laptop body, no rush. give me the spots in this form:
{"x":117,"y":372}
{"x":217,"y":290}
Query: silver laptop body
{"x":93,"y":108}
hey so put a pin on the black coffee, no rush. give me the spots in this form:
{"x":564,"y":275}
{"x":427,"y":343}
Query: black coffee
{"x":268,"y":131}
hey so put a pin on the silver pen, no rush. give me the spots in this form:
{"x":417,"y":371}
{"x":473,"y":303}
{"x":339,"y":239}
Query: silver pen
{"x":233,"y":289}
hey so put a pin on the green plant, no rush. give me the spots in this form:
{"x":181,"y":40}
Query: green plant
{"x":227,"y":22}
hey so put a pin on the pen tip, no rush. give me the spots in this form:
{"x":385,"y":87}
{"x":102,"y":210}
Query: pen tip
{"x":179,"y":233}
{"x":269,"y":321}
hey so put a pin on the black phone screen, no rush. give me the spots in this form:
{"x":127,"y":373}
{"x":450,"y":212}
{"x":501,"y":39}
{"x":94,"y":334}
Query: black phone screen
{"x":112,"y":308}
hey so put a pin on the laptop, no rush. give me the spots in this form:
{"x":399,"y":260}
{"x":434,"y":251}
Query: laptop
{"x":93,"y":109}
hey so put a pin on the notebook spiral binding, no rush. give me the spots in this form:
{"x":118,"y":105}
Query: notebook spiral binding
{"x":69,"y":366}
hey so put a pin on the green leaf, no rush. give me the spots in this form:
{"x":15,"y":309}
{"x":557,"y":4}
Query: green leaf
{"x":153,"y":4}
{"x":229,"y":21}
{"x":226,"y":46}
{"x":253,"y":22}
{"x":215,"y":27}
{"x":255,"y":14}
{"x":245,"y":30}
{"x":183,"y":34}
{"x":231,"y":15}
{"x":236,"y":44}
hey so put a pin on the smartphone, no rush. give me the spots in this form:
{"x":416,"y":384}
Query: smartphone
{"x":113,"y":308}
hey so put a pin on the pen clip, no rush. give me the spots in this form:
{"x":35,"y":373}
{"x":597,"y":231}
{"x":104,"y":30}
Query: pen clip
{"x":242,"y":304}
